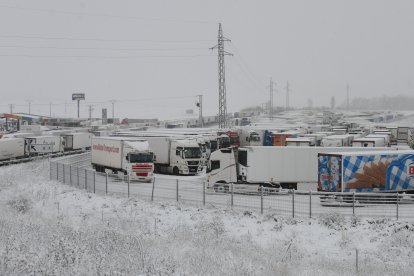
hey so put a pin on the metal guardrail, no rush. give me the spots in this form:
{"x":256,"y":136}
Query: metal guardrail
{"x":73,"y":171}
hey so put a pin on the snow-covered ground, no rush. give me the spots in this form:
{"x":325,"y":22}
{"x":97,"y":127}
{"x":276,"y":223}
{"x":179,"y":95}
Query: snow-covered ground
{"x":50,"y":228}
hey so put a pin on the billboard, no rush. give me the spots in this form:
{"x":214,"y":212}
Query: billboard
{"x":78,"y":96}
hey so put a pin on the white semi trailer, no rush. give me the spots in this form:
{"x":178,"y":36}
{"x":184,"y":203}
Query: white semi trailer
{"x":128,"y":155}
{"x":268,"y":166}
{"x":11,"y":148}
{"x":43,"y":144}
{"x":77,"y":141}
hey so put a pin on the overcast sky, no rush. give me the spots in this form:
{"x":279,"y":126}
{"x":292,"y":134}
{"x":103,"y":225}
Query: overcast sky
{"x":153,"y":57}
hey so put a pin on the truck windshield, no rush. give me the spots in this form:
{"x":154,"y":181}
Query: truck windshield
{"x":140,"y":157}
{"x":192,"y":153}
{"x":234,"y":140}
{"x":255,"y":138}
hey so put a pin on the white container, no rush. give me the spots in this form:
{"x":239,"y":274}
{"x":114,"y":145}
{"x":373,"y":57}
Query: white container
{"x":11,"y":148}
{"x":77,"y":141}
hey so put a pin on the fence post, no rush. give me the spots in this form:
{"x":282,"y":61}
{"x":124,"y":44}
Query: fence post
{"x":310,"y":204}
{"x":356,"y":260}
{"x":232,"y":194}
{"x":353,"y":204}
{"x":128,"y":184}
{"x":70,"y":174}
{"x":86,"y":179}
{"x":77,"y":172}
{"x":204,"y":193}
{"x":94,"y":181}
{"x":177,"y":188}
{"x":397,"y":206}
{"x":64,"y":182}
{"x":261,"y":200}
{"x":57,"y":171}
{"x":50,"y":169}
{"x":106,"y":183}
{"x":153,"y":186}
{"x":293,"y":203}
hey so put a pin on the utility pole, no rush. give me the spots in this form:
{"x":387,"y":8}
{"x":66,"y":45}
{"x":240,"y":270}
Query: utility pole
{"x":272,"y":83}
{"x":50,"y":109}
{"x":200,"y":110}
{"x":113,"y":112}
{"x":11,"y":108}
{"x":30,"y":102}
{"x":287,"y":96}
{"x":221,"y":78}
{"x":90,"y":108}
{"x":347,"y":96}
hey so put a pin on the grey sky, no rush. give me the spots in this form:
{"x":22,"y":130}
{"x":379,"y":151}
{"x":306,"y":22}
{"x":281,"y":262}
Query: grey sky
{"x":138,"y":51}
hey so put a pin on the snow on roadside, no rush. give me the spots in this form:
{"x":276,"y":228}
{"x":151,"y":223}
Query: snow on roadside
{"x":50,"y":228}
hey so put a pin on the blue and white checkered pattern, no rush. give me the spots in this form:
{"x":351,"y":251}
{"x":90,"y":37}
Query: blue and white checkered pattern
{"x":397,"y":176}
{"x":354,"y":163}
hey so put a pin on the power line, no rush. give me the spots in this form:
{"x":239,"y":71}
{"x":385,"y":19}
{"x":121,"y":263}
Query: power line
{"x":100,"y":39}
{"x":100,"y":57}
{"x":98,"y":48}
{"x":107,"y":15}
{"x":243,"y":64}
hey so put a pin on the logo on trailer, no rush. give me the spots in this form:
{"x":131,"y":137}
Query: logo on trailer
{"x":411,"y":170}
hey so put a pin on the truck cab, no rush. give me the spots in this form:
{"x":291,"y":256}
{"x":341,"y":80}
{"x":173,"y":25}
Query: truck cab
{"x":138,"y":160}
{"x":222,"y":167}
{"x":185,"y":157}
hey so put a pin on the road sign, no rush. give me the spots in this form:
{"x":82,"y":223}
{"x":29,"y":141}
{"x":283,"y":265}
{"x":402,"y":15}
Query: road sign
{"x":78,"y":96}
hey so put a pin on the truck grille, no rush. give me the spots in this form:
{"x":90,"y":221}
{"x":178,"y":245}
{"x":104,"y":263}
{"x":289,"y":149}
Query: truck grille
{"x":192,"y":168}
{"x":192,"y":162}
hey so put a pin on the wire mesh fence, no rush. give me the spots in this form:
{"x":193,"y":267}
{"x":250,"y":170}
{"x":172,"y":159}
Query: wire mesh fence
{"x":76,"y":171}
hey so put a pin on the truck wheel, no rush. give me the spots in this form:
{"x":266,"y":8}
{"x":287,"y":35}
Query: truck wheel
{"x":176,"y":171}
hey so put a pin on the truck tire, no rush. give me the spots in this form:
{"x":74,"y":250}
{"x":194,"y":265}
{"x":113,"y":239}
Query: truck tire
{"x":176,"y":171}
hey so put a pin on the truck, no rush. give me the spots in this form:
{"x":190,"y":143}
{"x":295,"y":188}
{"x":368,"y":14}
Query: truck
{"x":172,"y":154}
{"x":35,"y":145}
{"x":250,"y":137}
{"x":384,"y":136}
{"x":11,"y":148}
{"x":368,"y":171}
{"x":77,"y":141}
{"x":300,"y":141}
{"x":233,"y":137}
{"x":126,"y":155}
{"x":285,"y":167}
{"x":369,"y":142}
{"x":337,"y":141}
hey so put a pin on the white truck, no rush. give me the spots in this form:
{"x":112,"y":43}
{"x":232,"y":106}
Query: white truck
{"x":385,"y":137}
{"x":300,"y":141}
{"x":43,"y":144}
{"x":369,"y":142}
{"x":11,"y":148}
{"x":250,"y":137}
{"x":173,"y":154}
{"x":177,"y":156}
{"x":337,"y":141}
{"x":277,"y":167}
{"x":77,"y":141}
{"x":127,"y":155}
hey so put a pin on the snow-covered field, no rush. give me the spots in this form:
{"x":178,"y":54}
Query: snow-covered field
{"x":50,"y":228}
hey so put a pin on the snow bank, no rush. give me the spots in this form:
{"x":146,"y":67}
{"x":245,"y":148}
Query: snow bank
{"x":50,"y":228}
